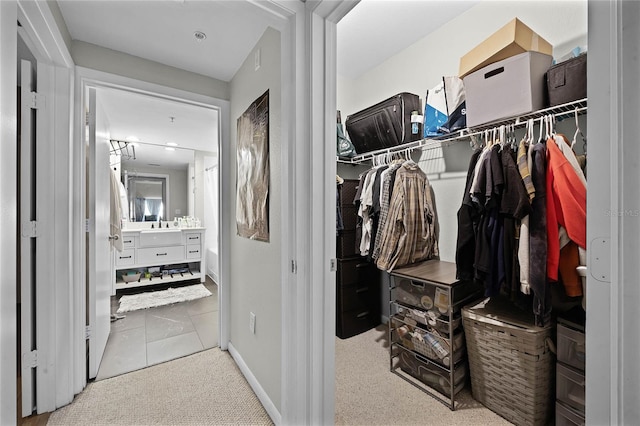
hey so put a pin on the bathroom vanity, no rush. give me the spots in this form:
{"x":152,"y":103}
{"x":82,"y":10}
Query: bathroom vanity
{"x":160,"y":256}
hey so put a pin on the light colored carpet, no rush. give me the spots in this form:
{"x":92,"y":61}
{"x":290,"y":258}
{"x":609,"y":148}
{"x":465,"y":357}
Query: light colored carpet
{"x":367,"y":393}
{"x":202,"y":389}
{"x":153,"y":299}
{"x":208,"y":389}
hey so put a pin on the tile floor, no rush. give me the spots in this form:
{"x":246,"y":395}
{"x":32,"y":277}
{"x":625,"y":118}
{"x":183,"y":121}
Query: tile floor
{"x":155,"y":335}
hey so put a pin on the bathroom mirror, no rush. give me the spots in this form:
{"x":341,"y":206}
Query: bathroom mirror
{"x":157,"y":182}
{"x":147,"y":197}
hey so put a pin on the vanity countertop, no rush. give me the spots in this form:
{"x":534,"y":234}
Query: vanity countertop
{"x":171,"y":228}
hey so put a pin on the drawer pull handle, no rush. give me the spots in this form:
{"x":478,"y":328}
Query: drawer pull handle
{"x":418,"y":285}
{"x":362,"y":290}
{"x":194,"y":251}
{"x":362,"y":265}
{"x":362,"y":314}
{"x":194,"y":238}
{"x":127,"y":241}
{"x":161,"y":254}
{"x":125,"y":257}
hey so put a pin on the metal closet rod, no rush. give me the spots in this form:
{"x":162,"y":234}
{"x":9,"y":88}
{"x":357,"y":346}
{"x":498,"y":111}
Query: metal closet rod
{"x":558,"y":111}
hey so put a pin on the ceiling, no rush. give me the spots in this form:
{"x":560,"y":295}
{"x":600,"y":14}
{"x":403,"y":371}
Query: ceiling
{"x":375,"y":30}
{"x":163,"y":31}
{"x":155,"y":121}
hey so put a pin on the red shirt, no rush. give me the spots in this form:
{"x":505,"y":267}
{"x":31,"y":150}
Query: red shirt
{"x":566,"y":206}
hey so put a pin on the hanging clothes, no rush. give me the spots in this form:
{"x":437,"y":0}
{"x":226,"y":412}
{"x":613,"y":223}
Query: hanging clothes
{"x":356,"y":203}
{"x":365,"y":212}
{"x":387,"y":177}
{"x":409,"y":233}
{"x":468,"y":219}
{"x":514,"y":207}
{"x":375,"y":209}
{"x":538,"y":237}
{"x":486,"y":192}
{"x":566,"y":207}
{"x":525,"y":165}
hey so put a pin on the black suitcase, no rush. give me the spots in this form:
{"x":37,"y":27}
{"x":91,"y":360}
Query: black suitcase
{"x":385,"y":124}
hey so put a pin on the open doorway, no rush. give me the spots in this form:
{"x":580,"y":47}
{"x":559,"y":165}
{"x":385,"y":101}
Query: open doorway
{"x":168,"y":145}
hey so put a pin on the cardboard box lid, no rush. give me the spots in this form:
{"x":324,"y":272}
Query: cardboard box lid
{"x":512,"y":39}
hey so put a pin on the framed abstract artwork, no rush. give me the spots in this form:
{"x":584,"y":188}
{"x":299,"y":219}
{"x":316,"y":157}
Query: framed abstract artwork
{"x":252,"y":171}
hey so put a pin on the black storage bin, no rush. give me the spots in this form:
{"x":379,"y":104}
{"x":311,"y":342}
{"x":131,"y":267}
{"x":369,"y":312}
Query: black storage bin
{"x":348,"y":190}
{"x":346,"y":244}
{"x":567,"y":81}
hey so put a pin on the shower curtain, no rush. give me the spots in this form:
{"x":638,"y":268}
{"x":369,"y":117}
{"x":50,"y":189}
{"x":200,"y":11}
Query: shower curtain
{"x":210,"y":219}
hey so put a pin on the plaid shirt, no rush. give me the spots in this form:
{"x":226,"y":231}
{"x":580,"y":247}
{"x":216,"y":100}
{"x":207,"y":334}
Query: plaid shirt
{"x":384,"y":206}
{"x":523,"y":167}
{"x":409,"y":231}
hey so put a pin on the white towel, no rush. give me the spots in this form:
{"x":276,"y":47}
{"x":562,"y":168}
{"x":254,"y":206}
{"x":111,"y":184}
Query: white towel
{"x":124,"y":202}
{"x":116,"y":214}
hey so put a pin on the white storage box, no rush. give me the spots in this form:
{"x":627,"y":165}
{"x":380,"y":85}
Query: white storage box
{"x":512,"y":39}
{"x":510,"y":87}
{"x":565,"y":416}
{"x":570,"y":387}
{"x":571,"y":347}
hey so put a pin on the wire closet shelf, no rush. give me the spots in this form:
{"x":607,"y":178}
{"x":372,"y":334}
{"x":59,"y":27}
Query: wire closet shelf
{"x":559,"y":112}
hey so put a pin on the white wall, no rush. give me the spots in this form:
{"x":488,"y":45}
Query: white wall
{"x":100,"y":58}
{"x":255,"y":277}
{"x":422,"y":64}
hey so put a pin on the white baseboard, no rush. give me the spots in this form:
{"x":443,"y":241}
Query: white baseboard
{"x":253,"y":382}
{"x":213,"y":276}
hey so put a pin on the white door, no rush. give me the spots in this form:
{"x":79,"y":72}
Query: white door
{"x":99,"y":255}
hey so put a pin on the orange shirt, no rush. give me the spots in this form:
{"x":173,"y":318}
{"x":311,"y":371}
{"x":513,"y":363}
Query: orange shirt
{"x":566,"y":206}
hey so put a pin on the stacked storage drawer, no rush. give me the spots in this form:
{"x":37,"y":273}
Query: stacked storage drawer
{"x":357,"y":281}
{"x":425,"y":327}
{"x":570,"y":377}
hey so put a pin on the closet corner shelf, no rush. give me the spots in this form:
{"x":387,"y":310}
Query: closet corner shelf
{"x":560,"y":112}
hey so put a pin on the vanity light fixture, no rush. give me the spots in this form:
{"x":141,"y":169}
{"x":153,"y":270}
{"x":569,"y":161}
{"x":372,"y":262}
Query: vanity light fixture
{"x":172,"y":144}
{"x":168,"y":148}
{"x":199,"y":35}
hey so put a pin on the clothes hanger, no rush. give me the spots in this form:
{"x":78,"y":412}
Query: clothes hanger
{"x":546,"y":127}
{"x":575,"y":135}
{"x":541,"y":129}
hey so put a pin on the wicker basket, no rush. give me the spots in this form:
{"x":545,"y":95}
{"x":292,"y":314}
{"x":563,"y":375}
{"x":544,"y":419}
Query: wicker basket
{"x":511,"y":366}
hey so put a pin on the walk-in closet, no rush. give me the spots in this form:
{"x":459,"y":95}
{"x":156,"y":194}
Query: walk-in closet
{"x":461,"y":213}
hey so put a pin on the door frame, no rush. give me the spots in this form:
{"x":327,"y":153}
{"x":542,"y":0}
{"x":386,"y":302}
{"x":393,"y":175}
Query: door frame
{"x":298,"y":109}
{"x":48,"y":47}
{"x":86,"y":78}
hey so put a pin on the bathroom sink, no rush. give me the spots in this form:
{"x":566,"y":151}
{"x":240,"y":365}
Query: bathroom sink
{"x":160,"y":237}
